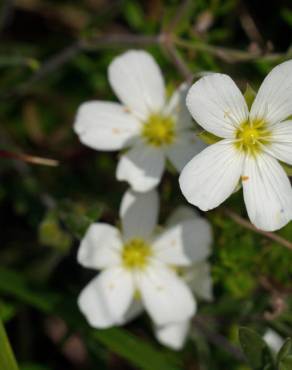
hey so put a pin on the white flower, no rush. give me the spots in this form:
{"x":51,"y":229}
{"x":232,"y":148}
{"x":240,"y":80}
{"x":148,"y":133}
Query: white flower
{"x":252,"y":143}
{"x":145,"y":122}
{"x":139,"y":268}
{"x":198,"y":278}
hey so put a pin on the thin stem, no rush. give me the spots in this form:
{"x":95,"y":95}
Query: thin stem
{"x":247,"y":225}
{"x":29,"y":158}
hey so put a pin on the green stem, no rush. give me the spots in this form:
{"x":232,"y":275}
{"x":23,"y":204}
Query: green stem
{"x":7,"y":359}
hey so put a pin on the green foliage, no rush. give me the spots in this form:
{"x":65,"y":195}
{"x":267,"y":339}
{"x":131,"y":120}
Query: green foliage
{"x":284,"y":358}
{"x":7,"y":360}
{"x":256,"y":350}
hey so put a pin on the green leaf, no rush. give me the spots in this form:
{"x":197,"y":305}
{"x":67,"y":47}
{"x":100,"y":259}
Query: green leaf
{"x":256,"y":350}
{"x":7,"y":360}
{"x":249,"y":95}
{"x":287,"y":168}
{"x":137,"y":351}
{"x":14,"y":283}
{"x":208,"y":138}
{"x":284,"y":358}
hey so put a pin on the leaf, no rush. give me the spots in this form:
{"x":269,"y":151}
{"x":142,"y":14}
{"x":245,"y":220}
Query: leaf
{"x":137,"y":351}
{"x":286,"y":363}
{"x":284,"y":358}
{"x":256,"y":350}
{"x":208,"y":138}
{"x":14,"y":283}
{"x":287,"y":168}
{"x":7,"y":360}
{"x":249,"y":95}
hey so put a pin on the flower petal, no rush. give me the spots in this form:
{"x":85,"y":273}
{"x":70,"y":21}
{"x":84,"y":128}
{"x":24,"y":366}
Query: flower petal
{"x":139,"y":213}
{"x":186,"y":146}
{"x":93,"y":306}
{"x":211,"y":176}
{"x":176,"y":107}
{"x":113,"y":291}
{"x":136,"y":79}
{"x":267,"y":192}
{"x":199,"y":279}
{"x":100,"y":247}
{"x":105,"y":126}
{"x":281,"y":143}
{"x":141,"y":167}
{"x":185,"y":243}
{"x":217,"y":105}
{"x":173,"y":335}
{"x":273,"y":100}
{"x":166,"y":297}
{"x":182,"y":213}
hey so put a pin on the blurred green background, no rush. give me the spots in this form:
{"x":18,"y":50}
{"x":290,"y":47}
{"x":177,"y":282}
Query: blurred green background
{"x":54,"y":56}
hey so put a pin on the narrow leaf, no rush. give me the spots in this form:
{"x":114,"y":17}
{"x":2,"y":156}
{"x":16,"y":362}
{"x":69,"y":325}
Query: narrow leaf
{"x":7,"y":360}
{"x":256,"y":350}
{"x":138,"y":352}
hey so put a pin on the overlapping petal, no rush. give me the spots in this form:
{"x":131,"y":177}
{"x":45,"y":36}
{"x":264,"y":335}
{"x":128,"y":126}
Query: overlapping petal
{"x":173,"y":335}
{"x":280,"y":146}
{"x":142,"y":167}
{"x":273,"y":100}
{"x":211,"y":176}
{"x":267,"y":192}
{"x":105,"y":125}
{"x":217,"y":105}
{"x":100,"y":247}
{"x":139,"y":214}
{"x":138,"y":82}
{"x":186,"y":146}
{"x":166,"y":297}
{"x":184,"y":243}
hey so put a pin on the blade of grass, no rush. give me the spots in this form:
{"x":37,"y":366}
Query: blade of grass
{"x":7,"y":359}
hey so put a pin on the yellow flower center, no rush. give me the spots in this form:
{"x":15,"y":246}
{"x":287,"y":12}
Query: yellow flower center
{"x":250,"y":136}
{"x":159,"y":130}
{"x":136,"y":254}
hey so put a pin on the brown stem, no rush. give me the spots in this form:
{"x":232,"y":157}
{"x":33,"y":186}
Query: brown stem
{"x":28,"y":158}
{"x":246,"y":224}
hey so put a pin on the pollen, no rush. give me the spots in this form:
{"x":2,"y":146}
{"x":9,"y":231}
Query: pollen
{"x":136,"y":254}
{"x":159,"y":130}
{"x":251,"y":136}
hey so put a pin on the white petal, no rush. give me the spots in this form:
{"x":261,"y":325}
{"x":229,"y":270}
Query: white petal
{"x":137,"y":81}
{"x":185,"y":243}
{"x":105,"y":126}
{"x":182,"y":213}
{"x":141,"y":167}
{"x":267,"y":192}
{"x":177,"y":107}
{"x":217,"y":105}
{"x":273,"y":340}
{"x":136,"y":309}
{"x":113,"y":291}
{"x":100,"y":246}
{"x":211,"y":176}
{"x":273,"y":100}
{"x":199,"y":279}
{"x":281,"y":145}
{"x":173,"y":335}
{"x":139,"y":213}
{"x":93,"y":306}
{"x":166,"y":297}
{"x":186,"y":146}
